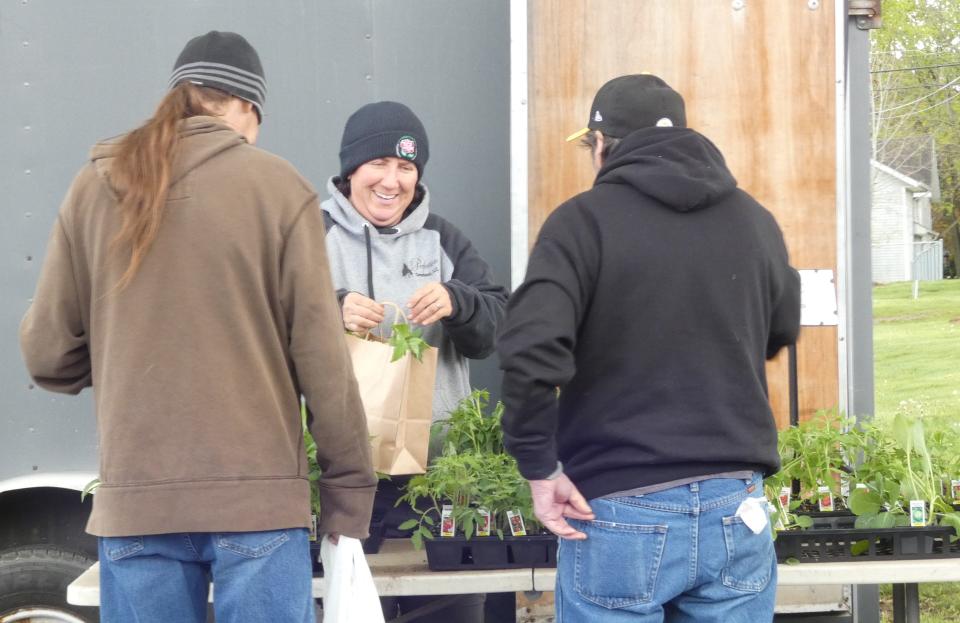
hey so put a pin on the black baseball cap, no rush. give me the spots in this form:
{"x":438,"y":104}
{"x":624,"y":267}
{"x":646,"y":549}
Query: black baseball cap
{"x":632,"y":102}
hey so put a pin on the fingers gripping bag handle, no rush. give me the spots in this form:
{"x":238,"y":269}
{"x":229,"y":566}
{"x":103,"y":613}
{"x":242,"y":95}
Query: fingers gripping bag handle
{"x":377,"y":331}
{"x":350,"y":595}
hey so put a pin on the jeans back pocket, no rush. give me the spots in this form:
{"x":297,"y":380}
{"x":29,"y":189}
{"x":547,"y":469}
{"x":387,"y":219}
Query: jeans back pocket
{"x":252,"y":544}
{"x":618,"y":564}
{"x":119,"y":547}
{"x":750,"y":557}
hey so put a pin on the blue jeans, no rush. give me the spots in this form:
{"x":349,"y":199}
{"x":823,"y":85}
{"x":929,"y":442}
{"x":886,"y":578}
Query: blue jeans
{"x":258,"y":576}
{"x":676,"y":555}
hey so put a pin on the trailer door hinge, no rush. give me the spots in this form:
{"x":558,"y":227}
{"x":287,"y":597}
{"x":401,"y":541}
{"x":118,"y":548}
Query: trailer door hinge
{"x":867,"y":13}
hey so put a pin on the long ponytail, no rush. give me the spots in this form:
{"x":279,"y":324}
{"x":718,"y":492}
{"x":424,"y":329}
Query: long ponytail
{"x":142,"y":168}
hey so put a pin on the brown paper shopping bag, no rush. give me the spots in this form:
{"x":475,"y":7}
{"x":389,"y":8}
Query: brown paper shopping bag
{"x":398,"y":399}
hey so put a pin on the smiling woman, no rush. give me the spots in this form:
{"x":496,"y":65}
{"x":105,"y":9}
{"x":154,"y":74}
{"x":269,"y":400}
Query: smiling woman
{"x":382,"y":189}
{"x":384,"y":244}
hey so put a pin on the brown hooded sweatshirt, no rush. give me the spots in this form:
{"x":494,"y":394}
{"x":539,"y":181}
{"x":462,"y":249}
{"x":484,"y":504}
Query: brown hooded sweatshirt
{"x":199,"y":363}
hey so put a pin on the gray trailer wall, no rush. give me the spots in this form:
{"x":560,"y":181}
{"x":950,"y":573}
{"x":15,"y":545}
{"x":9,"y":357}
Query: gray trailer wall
{"x":74,"y":72}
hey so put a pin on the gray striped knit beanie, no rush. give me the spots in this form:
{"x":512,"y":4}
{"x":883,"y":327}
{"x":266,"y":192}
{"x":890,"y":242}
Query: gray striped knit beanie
{"x":224,"y":61}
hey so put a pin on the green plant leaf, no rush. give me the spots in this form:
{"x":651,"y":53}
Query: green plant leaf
{"x":405,"y":340}
{"x":792,"y":561}
{"x":952,"y":519}
{"x":408,"y":524}
{"x":417,"y":539}
{"x":859,"y":548}
{"x":804,"y":521}
{"x":427,"y":519}
{"x":865,"y":502}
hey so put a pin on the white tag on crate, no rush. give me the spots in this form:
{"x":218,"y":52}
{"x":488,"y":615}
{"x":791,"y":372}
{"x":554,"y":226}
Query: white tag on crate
{"x":785,"y":494}
{"x":825,"y":499}
{"x":483,"y":527}
{"x":448,"y":526}
{"x":918,"y":513}
{"x":515,"y":519}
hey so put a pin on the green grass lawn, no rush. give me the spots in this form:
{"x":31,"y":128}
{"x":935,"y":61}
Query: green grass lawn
{"x":916,"y":349}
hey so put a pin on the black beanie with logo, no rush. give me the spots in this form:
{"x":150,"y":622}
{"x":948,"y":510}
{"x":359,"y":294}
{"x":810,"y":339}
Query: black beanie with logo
{"x":380,"y":130}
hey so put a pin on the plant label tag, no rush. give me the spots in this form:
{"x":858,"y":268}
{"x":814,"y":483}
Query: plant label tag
{"x":515,"y":519}
{"x":785,"y":497}
{"x":313,"y":527}
{"x":955,"y":488}
{"x":447,"y":524}
{"x":918,"y":513}
{"x":844,"y":486}
{"x":483,"y":527}
{"x":825,"y":499}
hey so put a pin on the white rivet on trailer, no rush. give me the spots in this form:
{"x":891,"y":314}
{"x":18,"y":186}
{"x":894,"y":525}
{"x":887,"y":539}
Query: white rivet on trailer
{"x":813,"y":5}
{"x":738,"y":4}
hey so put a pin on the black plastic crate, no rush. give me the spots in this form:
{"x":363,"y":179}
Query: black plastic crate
{"x":832,"y":520}
{"x":836,"y":545}
{"x":491,"y":552}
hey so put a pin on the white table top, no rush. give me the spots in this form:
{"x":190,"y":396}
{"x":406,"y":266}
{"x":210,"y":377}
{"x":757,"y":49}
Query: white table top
{"x":400,"y":570}
{"x":831,"y":573}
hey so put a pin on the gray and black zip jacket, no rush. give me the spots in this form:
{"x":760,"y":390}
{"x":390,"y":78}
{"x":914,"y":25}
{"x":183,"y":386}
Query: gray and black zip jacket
{"x":391,"y":263}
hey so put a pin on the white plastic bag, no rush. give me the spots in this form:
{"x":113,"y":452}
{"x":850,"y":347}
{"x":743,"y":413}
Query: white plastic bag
{"x":350,"y":595}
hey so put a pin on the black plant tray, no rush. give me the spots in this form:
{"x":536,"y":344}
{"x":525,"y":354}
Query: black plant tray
{"x":490,"y":552}
{"x":835,"y":545}
{"x":831,"y":520}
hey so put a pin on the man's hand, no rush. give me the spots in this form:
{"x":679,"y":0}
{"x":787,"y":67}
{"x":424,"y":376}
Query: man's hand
{"x":558,"y":498}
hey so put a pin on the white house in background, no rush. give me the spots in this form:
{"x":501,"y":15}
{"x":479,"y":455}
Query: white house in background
{"x":904,"y":247}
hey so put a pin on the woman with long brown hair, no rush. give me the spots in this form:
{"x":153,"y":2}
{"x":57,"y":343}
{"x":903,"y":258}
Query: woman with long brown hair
{"x":187,"y":281}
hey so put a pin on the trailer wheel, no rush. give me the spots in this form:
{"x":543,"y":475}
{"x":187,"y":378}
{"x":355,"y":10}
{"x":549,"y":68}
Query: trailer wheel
{"x":33,"y":585}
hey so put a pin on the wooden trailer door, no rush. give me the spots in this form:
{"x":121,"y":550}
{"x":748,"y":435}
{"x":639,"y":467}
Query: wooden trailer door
{"x":759,"y":79}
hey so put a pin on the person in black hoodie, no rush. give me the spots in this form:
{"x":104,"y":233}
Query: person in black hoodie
{"x":634,"y":373}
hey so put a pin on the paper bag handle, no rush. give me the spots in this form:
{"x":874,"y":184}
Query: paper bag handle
{"x":397,"y":312}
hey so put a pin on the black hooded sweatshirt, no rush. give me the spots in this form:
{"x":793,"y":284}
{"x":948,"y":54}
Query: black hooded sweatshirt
{"x":650,"y":303}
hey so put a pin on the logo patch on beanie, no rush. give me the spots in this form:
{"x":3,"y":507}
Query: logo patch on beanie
{"x":407,"y":147}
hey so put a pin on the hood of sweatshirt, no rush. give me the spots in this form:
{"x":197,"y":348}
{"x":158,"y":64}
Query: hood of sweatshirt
{"x":201,"y":138}
{"x":345,"y":215}
{"x":678,"y":167}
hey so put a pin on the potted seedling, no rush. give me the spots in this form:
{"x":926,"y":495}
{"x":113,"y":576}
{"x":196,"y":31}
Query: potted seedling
{"x":815,"y":473}
{"x":475,"y":507}
{"x":900,"y":505}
